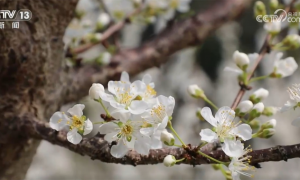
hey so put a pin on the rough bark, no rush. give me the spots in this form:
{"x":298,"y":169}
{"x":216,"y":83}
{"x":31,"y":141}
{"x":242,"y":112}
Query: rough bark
{"x":30,"y":66}
{"x":35,"y":82}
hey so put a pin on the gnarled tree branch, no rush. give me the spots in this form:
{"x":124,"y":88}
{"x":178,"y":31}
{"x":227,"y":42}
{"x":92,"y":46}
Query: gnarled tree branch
{"x":183,"y":34}
{"x":97,"y":148}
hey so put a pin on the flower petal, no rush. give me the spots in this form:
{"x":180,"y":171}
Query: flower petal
{"x":138,"y":88}
{"x":138,"y":107}
{"x":121,"y":115}
{"x":233,"y":148}
{"x":74,"y":137}
{"x":147,"y":131}
{"x":234,"y":70}
{"x":58,"y":121}
{"x":76,"y":110}
{"x":207,"y":115}
{"x":208,"y":135}
{"x":108,"y":128}
{"x":88,"y":127}
{"x":110,"y":137}
{"x":225,"y":115}
{"x":125,"y":77}
{"x":119,"y":150}
{"x":243,"y":131}
{"x":142,"y":146}
{"x":147,"y":79}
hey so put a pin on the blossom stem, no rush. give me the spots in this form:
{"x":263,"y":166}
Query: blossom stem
{"x":222,"y":170}
{"x":98,"y":122}
{"x":177,"y":145}
{"x":211,"y":158}
{"x":105,"y":109}
{"x":175,"y":133}
{"x":258,"y":78}
{"x":210,"y":103}
{"x":255,"y":135}
{"x":179,"y":160}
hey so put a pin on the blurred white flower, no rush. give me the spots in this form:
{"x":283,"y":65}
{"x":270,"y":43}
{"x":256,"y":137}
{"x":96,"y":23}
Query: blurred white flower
{"x":104,"y":19}
{"x":126,"y":132}
{"x":106,"y":57}
{"x":283,"y":67}
{"x":224,"y":126}
{"x":77,"y":123}
{"x":273,"y":27}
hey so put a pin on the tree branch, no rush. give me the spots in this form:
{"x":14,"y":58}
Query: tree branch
{"x":189,"y":32}
{"x":97,"y":148}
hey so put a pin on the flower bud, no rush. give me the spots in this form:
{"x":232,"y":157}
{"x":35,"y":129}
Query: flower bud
{"x":259,"y":107}
{"x":271,"y":124}
{"x":167,"y":138}
{"x":104,"y":19}
{"x":260,"y":8}
{"x":292,"y":41}
{"x":169,"y":161}
{"x":273,"y":27}
{"x":198,"y":114}
{"x":95,"y":91}
{"x":215,"y":166}
{"x":267,"y":133}
{"x":270,"y":111}
{"x":274,"y":4}
{"x":196,"y":92}
{"x":254,"y":124}
{"x":259,"y":95}
{"x":256,"y":110}
{"x":241,"y":60}
{"x":244,"y":107}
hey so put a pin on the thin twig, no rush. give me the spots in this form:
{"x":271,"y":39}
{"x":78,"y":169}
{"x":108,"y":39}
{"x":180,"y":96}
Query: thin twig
{"x":264,"y":49}
{"x":110,"y":31}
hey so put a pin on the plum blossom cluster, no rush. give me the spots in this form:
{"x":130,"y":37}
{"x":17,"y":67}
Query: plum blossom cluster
{"x":137,"y":118}
{"x":140,"y":117}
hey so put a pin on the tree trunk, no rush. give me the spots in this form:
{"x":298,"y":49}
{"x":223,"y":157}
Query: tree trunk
{"x":30,"y":76}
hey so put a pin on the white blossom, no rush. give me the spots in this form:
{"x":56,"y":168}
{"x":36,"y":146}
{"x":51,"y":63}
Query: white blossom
{"x":240,"y":161}
{"x":225,"y":126}
{"x":126,"y":132}
{"x":124,"y":94}
{"x":294,"y":93}
{"x":77,"y":124}
{"x":157,"y":119}
{"x":169,"y":161}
